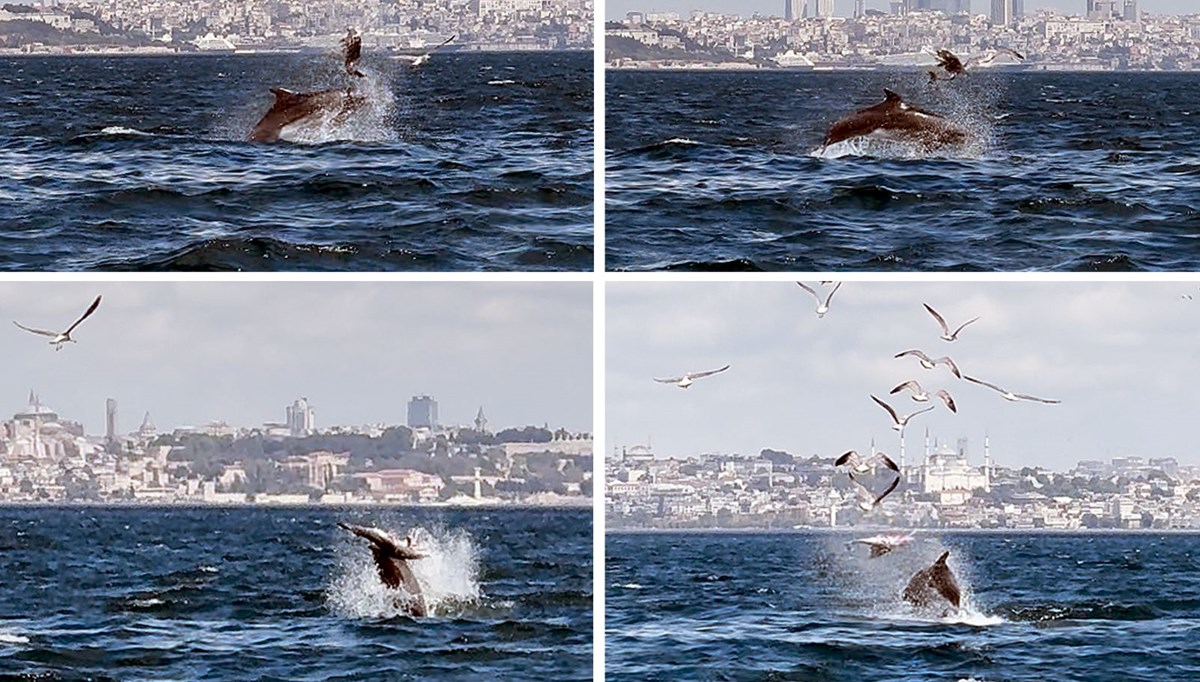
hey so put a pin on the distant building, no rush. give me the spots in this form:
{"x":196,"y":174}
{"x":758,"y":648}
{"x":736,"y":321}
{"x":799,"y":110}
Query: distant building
{"x":110,"y":420}
{"x":1131,"y":10}
{"x":406,"y":485}
{"x":824,"y":8}
{"x":1002,"y":12}
{"x":860,"y":8}
{"x":480,"y":421}
{"x":794,"y":10}
{"x":1102,"y":9}
{"x":943,"y":6}
{"x":301,"y":419}
{"x":422,"y":412}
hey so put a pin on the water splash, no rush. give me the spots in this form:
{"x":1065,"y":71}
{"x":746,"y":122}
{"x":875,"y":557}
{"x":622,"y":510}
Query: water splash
{"x":373,"y":122}
{"x":449,"y":578}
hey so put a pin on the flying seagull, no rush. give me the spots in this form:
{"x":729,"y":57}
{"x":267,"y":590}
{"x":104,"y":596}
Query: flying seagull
{"x":352,"y":52}
{"x":822,"y":306}
{"x":921,"y":396}
{"x":946,"y":333}
{"x":1009,"y":395}
{"x":425,"y":57}
{"x":867,"y":498}
{"x":57,"y":339}
{"x":884,"y":543}
{"x":690,"y":378}
{"x":929,"y":363}
{"x":898,"y":422}
{"x":954,"y":66}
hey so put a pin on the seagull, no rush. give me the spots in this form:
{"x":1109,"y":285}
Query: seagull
{"x":919,"y":395}
{"x":1009,"y":395}
{"x":884,"y":543}
{"x":425,"y":57}
{"x":352,"y":52}
{"x":898,"y":422}
{"x":929,"y":363}
{"x":946,"y":334}
{"x":57,"y":339}
{"x":690,"y":378}
{"x":822,"y":307}
{"x":954,"y":66}
{"x":858,"y":464}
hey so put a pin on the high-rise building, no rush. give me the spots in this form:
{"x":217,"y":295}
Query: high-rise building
{"x":943,"y":6}
{"x":301,"y":418}
{"x":1101,"y":9}
{"x":794,"y":10}
{"x":824,"y":8}
{"x":860,"y":8}
{"x":110,"y":420}
{"x":1131,"y":10}
{"x":1002,"y":12}
{"x":422,"y":412}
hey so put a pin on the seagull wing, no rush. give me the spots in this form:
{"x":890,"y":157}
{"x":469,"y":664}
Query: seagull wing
{"x":940,"y":320}
{"x":1036,"y":399}
{"x":442,"y":44}
{"x":917,"y":353}
{"x":849,"y":457}
{"x":700,"y":375}
{"x":887,"y":492}
{"x":963,"y":326}
{"x":831,"y":293}
{"x":910,"y":385}
{"x":91,"y":309}
{"x":945,"y":395}
{"x":981,"y":382}
{"x":43,"y":332}
{"x":669,"y":380}
{"x":888,"y":408}
{"x":919,"y":412}
{"x":886,"y":461}
{"x":1013,"y":52}
{"x":949,"y":363}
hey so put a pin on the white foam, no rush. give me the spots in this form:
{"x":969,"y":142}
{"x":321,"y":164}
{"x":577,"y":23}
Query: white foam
{"x":503,"y":81}
{"x":12,"y":638}
{"x":123,"y":131}
{"x":373,"y":122}
{"x":680,"y":140}
{"x":449,"y":578}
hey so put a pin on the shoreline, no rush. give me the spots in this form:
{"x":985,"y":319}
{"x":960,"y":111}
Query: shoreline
{"x":523,"y":506}
{"x":736,"y":67}
{"x":889,"y":529}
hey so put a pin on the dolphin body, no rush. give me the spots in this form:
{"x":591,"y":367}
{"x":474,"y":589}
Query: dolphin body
{"x":928,"y":584}
{"x":295,"y":107}
{"x":897,"y":119}
{"x":391,"y":558}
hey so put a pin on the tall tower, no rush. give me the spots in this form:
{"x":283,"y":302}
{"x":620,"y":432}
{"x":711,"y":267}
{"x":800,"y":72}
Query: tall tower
{"x":422,"y":412}
{"x":1131,"y":10}
{"x":480,"y":421}
{"x":824,"y":8}
{"x":110,"y":420}
{"x":987,"y":464}
{"x":794,"y":10}
{"x":301,"y":418}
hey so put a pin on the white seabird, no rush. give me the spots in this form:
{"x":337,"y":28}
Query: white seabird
{"x":690,"y":378}
{"x":822,"y":306}
{"x":930,"y":363}
{"x":885,"y":542}
{"x":57,"y":339}
{"x":921,"y":396}
{"x":867,"y":498}
{"x":898,"y":422}
{"x":947,"y":335}
{"x":1009,"y":395}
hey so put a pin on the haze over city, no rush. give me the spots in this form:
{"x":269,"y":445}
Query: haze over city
{"x":241,"y":352}
{"x":1120,"y":357}
{"x":616,"y":9}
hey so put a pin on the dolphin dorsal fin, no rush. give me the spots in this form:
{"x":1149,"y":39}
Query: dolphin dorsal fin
{"x":282,"y":93}
{"x":942,"y":558}
{"x":890,"y":96}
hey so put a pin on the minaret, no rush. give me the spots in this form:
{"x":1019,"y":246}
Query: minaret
{"x":480,"y":421}
{"x":987,"y":464}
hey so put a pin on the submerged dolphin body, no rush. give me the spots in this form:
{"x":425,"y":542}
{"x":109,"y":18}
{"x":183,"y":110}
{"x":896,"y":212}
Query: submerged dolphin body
{"x":391,"y":558}
{"x":928,"y":584}
{"x":897,"y":119}
{"x":296,"y":107}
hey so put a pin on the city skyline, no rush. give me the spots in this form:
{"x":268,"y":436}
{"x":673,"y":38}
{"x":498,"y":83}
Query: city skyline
{"x":779,"y":396}
{"x":190,"y":353}
{"x":616,"y":10}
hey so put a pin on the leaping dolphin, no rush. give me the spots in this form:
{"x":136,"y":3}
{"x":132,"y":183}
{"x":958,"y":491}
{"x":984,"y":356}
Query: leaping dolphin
{"x":391,"y":558}
{"x":295,"y":107}
{"x":896,"y":119}
{"x":930,"y":583}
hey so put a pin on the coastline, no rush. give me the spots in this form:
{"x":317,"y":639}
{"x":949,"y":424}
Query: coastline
{"x":884,"y":529}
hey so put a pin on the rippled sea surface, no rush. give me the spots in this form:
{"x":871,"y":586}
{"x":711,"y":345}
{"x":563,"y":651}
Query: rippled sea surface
{"x":255,"y":594}
{"x":1066,"y":172}
{"x":805,"y":607}
{"x":471,"y":162}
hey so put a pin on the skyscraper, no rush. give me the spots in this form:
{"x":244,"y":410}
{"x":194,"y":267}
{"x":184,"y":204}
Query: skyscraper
{"x":1002,"y":12}
{"x":301,"y":418}
{"x":422,"y":412}
{"x":1131,"y":10}
{"x":860,"y":8}
{"x":824,"y":8}
{"x":110,"y":420}
{"x":795,"y":9}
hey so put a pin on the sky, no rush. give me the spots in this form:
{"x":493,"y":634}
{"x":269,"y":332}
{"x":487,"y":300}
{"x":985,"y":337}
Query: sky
{"x":1121,"y":357}
{"x":616,"y":9}
{"x":241,"y":352}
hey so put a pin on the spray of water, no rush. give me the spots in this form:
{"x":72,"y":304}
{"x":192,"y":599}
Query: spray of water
{"x":449,"y":578}
{"x":374,"y":121}
{"x":877,"y":585}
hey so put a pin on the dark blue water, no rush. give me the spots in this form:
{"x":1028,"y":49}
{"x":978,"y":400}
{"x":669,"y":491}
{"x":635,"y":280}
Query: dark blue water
{"x":472,"y":162}
{"x":799,"y":606}
{"x":1066,"y":172}
{"x":253,"y":594}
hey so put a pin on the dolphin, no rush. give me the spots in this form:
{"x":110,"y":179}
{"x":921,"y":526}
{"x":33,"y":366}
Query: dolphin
{"x":391,"y":558}
{"x":929,"y":583}
{"x":294,"y":107}
{"x":896,"y":119}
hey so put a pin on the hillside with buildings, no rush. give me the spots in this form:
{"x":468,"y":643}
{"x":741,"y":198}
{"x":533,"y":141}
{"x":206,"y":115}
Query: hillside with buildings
{"x":48,"y":458}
